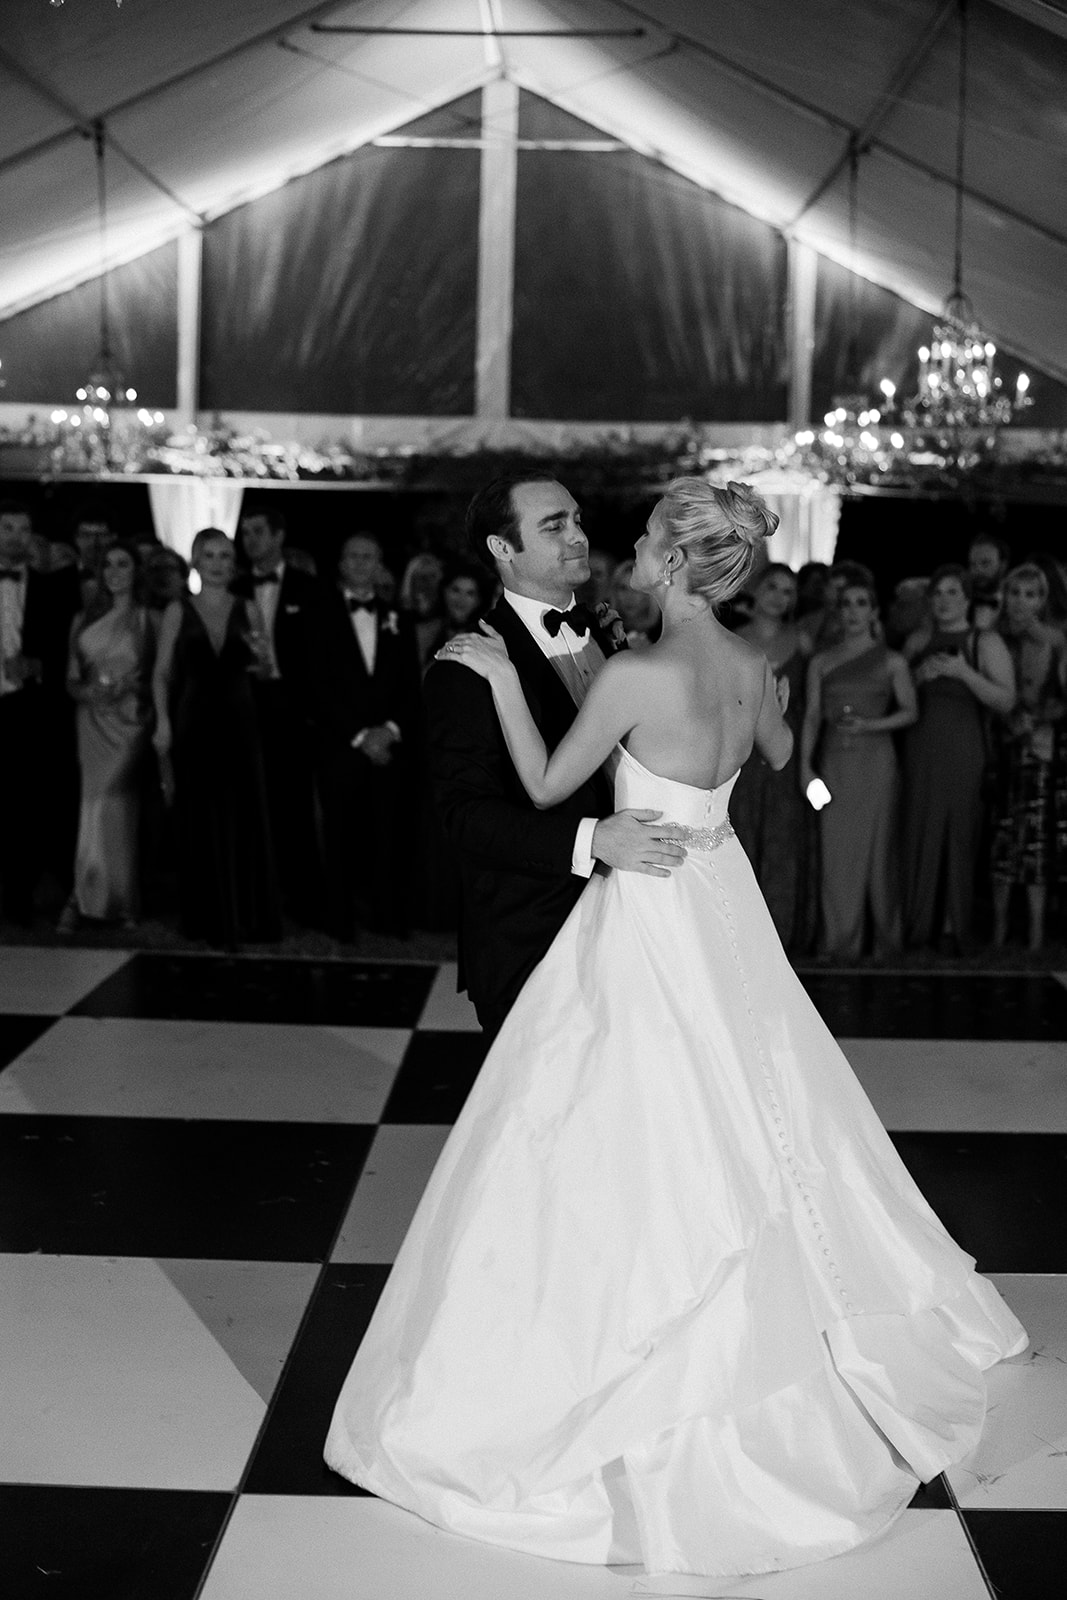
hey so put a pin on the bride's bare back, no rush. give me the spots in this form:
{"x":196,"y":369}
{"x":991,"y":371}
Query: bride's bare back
{"x":703,"y":698}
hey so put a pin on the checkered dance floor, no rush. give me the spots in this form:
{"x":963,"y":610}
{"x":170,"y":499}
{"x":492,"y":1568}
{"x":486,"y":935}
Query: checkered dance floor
{"x":206,"y":1168}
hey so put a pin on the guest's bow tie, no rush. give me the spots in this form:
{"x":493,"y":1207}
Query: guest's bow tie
{"x":10,"y":575}
{"x":579,"y":619}
{"x":355,"y":605}
{"x":265,"y":577}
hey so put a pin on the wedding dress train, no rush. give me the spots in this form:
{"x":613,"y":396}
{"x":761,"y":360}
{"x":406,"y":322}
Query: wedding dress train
{"x":670,"y":1295}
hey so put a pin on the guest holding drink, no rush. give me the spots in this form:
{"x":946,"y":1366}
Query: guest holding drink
{"x":1030,"y":801}
{"x":859,"y":693}
{"x":108,"y":679}
{"x":962,"y":674}
{"x":211,"y":648}
{"x":770,"y":815}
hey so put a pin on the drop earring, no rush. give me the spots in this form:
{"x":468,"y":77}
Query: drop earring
{"x":667,"y":575}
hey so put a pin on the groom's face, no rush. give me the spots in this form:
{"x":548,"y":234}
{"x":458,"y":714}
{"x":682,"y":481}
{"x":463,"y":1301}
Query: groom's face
{"x":554,"y":559}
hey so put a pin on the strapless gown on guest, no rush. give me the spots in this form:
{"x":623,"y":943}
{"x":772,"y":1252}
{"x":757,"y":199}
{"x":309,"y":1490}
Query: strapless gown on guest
{"x":670,"y":1295}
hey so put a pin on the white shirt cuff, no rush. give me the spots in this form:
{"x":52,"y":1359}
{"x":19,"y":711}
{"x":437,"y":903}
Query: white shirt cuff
{"x":582,"y":862}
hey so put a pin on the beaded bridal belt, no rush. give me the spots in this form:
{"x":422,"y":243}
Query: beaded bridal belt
{"x":706,"y":838}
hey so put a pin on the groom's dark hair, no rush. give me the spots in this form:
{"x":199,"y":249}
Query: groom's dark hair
{"x":491,"y":514}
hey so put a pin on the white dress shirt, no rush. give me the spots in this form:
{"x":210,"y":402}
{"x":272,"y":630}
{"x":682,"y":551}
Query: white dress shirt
{"x":576,"y":659}
{"x":365,"y":628}
{"x":12,"y":612}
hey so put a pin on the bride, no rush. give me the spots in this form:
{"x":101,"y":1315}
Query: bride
{"x":670,"y":1295}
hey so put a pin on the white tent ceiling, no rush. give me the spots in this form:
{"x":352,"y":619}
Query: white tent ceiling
{"x":206,"y":105}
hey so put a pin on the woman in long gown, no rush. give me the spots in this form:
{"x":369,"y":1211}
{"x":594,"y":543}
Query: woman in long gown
{"x":961,"y":674}
{"x":859,"y":693}
{"x":206,"y":730}
{"x":772,"y":819}
{"x":1030,"y":802}
{"x":108,"y":677}
{"x":670,"y":1295}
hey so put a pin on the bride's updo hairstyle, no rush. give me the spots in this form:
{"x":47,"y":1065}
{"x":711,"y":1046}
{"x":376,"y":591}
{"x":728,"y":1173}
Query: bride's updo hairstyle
{"x":721,"y":532}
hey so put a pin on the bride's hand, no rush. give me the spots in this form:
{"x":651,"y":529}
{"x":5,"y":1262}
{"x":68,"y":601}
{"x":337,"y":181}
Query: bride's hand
{"x":485,"y":653}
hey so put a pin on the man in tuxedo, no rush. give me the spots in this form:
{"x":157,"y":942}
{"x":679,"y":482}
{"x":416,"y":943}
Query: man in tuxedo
{"x":39,"y":787}
{"x":367,"y":747}
{"x":521,"y":869}
{"x":289,"y":603}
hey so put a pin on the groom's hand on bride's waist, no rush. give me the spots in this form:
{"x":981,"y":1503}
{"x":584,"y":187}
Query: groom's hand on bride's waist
{"x":638,"y":841}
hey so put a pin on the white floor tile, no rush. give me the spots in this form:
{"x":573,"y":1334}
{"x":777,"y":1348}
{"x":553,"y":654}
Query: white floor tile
{"x":277,"y":1547}
{"x":964,"y":1086}
{"x":108,"y":1376}
{"x":252,"y":1308}
{"x":1021,"y":1459}
{"x":397,"y":1170}
{"x":46,"y":983}
{"x":445,"y":1010}
{"x":261,"y":1072}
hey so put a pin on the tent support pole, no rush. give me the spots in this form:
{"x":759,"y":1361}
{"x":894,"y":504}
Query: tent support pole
{"x":496,"y":249}
{"x":190,"y":281}
{"x":802,"y":274}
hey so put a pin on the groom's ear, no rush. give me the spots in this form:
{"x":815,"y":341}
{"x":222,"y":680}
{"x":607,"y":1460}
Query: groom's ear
{"x":499,"y":548}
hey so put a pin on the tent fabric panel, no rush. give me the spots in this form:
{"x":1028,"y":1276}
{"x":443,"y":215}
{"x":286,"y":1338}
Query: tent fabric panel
{"x":638,"y":296}
{"x":349,"y":290}
{"x":49,"y":350}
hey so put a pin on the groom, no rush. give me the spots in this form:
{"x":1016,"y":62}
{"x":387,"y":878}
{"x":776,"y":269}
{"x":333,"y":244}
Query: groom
{"x":521,"y":870}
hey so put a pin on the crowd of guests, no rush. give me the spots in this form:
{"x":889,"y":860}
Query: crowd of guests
{"x":241,"y":744}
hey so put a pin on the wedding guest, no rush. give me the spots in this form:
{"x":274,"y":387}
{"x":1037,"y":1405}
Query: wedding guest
{"x":639,"y":613}
{"x":1056,"y":578}
{"x":961,"y":675}
{"x":92,"y":539}
{"x":1030,"y":799}
{"x":597,"y":590}
{"x":987,"y":562}
{"x":464,"y":600}
{"x":824,"y":627}
{"x":859,"y":693}
{"x":770,"y":815}
{"x":166,"y":578}
{"x":420,"y":601}
{"x":108,"y":678}
{"x":368,"y":743}
{"x":288,"y":606}
{"x":207,"y":739}
{"x":38,"y":790}
{"x":909,"y":609}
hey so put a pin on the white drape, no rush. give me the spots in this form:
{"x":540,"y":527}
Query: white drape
{"x":181,"y":506}
{"x":809,"y":512}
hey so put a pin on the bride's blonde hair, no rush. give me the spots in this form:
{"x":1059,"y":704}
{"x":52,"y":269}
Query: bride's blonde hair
{"x":720,"y":530}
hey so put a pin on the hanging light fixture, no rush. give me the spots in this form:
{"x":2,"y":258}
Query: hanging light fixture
{"x":847,"y":449}
{"x":958,"y":383}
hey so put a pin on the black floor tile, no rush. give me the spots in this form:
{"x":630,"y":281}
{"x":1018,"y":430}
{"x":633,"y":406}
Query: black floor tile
{"x":18,"y":1033}
{"x":1024,"y":1552}
{"x":873,"y":1005}
{"x":288,"y":1459}
{"x":245,"y":1191}
{"x":106,"y":1544}
{"x":932,"y":1496}
{"x":239,"y":989}
{"x":435,"y":1077}
{"x":1000,"y":1195}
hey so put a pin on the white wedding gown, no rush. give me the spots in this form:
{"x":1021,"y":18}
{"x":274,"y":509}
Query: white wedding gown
{"x":670,"y":1296}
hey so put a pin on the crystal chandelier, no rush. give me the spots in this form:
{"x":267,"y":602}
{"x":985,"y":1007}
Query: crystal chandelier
{"x":958,"y":383}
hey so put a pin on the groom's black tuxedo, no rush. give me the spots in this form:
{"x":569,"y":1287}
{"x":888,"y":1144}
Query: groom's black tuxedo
{"x":514,"y":861}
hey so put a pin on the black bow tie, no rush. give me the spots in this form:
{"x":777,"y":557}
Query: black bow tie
{"x":355,"y":605}
{"x":10,"y":574}
{"x":266,"y":577}
{"x":579,"y":619}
